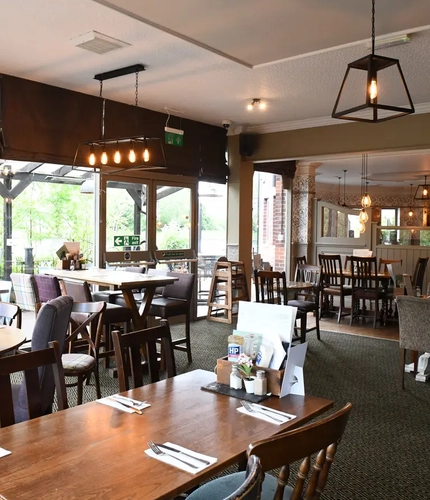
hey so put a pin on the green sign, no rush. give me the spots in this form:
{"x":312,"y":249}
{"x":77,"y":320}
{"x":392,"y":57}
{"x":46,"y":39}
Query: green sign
{"x":126,"y":241}
{"x":173,"y":136}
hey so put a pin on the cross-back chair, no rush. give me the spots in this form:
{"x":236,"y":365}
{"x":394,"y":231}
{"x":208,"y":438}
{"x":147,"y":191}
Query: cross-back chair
{"x":46,"y":288}
{"x":333,"y":285}
{"x":114,"y":316}
{"x":88,"y":332}
{"x":314,"y":444}
{"x":32,"y":364}
{"x":128,"y":355}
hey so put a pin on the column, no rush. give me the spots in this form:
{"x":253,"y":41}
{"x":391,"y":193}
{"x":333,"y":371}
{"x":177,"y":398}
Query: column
{"x":302,"y":213}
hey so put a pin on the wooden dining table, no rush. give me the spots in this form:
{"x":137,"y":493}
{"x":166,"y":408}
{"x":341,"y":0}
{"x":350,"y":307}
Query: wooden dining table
{"x":96,"y":451}
{"x":124,"y":281}
{"x":10,"y":339}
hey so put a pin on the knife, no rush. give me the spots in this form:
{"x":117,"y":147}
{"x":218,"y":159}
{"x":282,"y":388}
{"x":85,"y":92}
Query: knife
{"x":274,"y":412}
{"x":135,"y":410}
{"x":182,"y":453}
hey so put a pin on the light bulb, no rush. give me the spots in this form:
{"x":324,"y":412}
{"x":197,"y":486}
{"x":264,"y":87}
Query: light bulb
{"x":92,"y":157}
{"x":132,"y":155}
{"x":366,"y":201}
{"x":250,"y":106}
{"x":262,"y":105}
{"x":363,"y":216}
{"x":104,"y":158}
{"x":361,"y":227}
{"x":117,"y":155}
{"x":146,"y":155}
{"x":425,"y":191}
{"x":411,"y":213}
{"x":373,"y":90}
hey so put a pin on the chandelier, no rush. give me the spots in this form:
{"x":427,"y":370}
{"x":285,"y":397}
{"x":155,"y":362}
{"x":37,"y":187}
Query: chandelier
{"x":383,"y":83}
{"x":130,"y":151}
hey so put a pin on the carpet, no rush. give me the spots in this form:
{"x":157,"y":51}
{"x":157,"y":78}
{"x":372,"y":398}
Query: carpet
{"x":384,"y":453}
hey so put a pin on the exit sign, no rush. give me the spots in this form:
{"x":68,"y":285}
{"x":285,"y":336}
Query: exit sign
{"x":127,"y":241}
{"x":173,"y":136}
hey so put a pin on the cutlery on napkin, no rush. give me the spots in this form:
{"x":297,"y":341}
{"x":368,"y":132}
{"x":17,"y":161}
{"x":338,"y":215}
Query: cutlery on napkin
{"x":125,"y":404}
{"x":267,"y":414}
{"x":197,"y":461}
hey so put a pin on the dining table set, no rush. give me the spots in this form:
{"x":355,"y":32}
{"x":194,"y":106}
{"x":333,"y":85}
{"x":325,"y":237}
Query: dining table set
{"x":152,"y":442}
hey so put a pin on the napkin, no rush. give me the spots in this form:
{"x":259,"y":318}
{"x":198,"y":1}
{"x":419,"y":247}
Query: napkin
{"x":279,"y":415}
{"x":110,"y":401}
{"x":168,"y":459}
{"x":4,"y":452}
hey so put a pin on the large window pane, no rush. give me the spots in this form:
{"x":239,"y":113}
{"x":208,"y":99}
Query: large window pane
{"x":173,"y":217}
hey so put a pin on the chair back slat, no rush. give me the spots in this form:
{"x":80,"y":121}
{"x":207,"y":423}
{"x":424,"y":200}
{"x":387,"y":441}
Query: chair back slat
{"x":419,"y":271}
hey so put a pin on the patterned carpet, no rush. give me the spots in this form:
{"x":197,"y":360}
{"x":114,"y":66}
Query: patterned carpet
{"x":384,"y":454}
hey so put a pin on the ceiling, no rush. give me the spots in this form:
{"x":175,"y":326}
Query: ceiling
{"x":206,"y":60}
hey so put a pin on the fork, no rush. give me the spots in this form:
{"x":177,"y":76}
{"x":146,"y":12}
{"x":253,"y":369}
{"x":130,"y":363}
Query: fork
{"x":160,"y":452}
{"x":251,"y":409}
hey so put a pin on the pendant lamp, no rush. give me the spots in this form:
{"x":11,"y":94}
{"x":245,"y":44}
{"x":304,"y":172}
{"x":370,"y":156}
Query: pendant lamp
{"x":373,"y":89}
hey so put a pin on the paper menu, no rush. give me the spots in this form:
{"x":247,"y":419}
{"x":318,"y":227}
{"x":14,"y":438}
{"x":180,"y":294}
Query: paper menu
{"x":275,"y":323}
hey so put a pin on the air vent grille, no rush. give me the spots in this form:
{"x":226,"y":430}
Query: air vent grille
{"x":98,"y":42}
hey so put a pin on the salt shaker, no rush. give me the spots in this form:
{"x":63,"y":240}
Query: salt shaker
{"x":235,"y":378}
{"x":260,"y":383}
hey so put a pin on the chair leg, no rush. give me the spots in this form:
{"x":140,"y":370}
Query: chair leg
{"x":97,"y":383}
{"x":188,"y":337}
{"x":376,"y":313}
{"x":402,"y":366}
{"x":303,"y":322}
{"x":317,"y":324}
{"x":81,"y":378}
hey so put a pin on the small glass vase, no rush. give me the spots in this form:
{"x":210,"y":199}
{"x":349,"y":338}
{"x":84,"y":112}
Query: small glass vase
{"x":249,"y":385}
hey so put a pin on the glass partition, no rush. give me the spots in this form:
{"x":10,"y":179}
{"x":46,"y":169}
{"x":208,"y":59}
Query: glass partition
{"x":403,"y":236}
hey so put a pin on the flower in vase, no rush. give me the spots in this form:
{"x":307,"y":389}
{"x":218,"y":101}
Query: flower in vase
{"x":244,"y":365}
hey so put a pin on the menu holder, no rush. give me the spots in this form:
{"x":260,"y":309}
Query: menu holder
{"x":234,"y":393}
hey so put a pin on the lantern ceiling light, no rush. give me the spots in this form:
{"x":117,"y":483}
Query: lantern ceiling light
{"x":381,"y":86}
{"x":423,"y":191}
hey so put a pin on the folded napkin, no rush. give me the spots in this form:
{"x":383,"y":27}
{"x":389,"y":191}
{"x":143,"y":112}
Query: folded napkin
{"x":266,"y":415}
{"x":4,"y":452}
{"x":116,"y":399}
{"x":168,"y":458}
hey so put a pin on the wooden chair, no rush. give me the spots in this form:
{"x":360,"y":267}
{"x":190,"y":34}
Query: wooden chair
{"x":248,"y":490}
{"x":419,"y":271}
{"x":270,"y":287}
{"x":129,"y":358}
{"x":333,"y":285}
{"x":308,"y":300}
{"x":51,"y":324}
{"x":383,"y":263}
{"x":414,"y":314}
{"x":29,"y":363}
{"x":114,"y":316}
{"x":320,"y":439}
{"x":10,"y":313}
{"x":365,"y":287}
{"x":88,"y":331}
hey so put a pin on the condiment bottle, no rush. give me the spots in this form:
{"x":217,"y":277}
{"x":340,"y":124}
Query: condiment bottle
{"x":235,"y":346}
{"x":260,"y":383}
{"x":235,"y":378}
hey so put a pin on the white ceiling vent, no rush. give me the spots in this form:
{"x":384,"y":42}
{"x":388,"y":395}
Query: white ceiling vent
{"x":98,"y":43}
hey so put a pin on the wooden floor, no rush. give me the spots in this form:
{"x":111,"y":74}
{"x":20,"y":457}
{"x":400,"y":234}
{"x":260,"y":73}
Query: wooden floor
{"x":390,"y":331}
